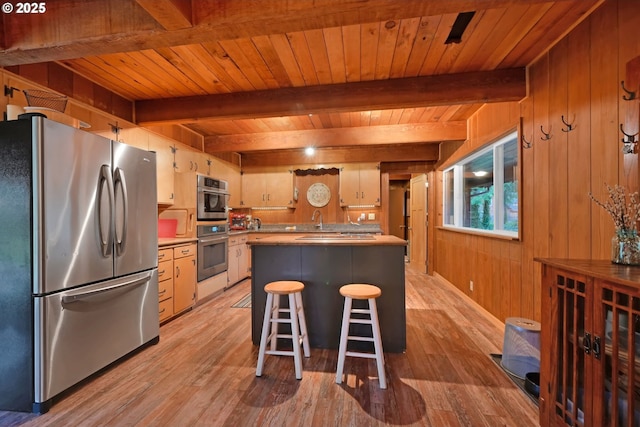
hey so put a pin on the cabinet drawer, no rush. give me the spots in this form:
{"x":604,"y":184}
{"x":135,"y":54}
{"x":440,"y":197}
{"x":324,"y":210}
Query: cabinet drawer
{"x":165,"y":270}
{"x":165,"y":309}
{"x":233,"y":240}
{"x":165,"y":289}
{"x":183,"y":251}
{"x":165,"y":254}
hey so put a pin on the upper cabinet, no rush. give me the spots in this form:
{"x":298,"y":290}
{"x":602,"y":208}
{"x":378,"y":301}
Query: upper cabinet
{"x":190,"y":160}
{"x":272,"y":188}
{"x":164,"y":149}
{"x":360,"y":184}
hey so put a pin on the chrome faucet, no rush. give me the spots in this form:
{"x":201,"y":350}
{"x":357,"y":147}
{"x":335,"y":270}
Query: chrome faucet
{"x":313,"y":218}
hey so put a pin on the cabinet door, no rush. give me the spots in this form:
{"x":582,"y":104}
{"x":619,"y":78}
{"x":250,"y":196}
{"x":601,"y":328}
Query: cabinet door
{"x":350,"y":185}
{"x":574,"y":341}
{"x":232,"y":266}
{"x":184,"y":283}
{"x":617,"y":369}
{"x":243,"y":261}
{"x":254,"y":191}
{"x":164,"y":150}
{"x":279,"y":188}
{"x":136,"y":137}
{"x":188,"y":159}
{"x":370,"y":185}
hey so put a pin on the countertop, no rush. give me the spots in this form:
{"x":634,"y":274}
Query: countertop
{"x":312,"y":228}
{"x":333,"y":239}
{"x":170,"y":241}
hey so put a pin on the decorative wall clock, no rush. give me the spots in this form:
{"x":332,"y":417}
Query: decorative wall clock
{"x":318,"y":195}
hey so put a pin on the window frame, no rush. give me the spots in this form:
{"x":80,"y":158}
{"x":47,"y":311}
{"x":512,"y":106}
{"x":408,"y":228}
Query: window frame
{"x":497,"y":147}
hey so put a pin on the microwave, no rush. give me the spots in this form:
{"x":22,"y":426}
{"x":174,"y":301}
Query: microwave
{"x":212,"y":199}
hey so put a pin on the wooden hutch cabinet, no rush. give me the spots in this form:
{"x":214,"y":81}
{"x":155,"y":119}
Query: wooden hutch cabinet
{"x":590,"y":344}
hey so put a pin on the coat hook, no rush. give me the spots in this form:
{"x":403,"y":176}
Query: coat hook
{"x":8,"y":90}
{"x":568,"y":125}
{"x":547,"y":136}
{"x":632,"y":95}
{"x":525,"y":143}
{"x":630,"y":143}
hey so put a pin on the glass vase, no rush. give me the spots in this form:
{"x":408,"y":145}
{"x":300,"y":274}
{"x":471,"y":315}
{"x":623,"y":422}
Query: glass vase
{"x":625,"y":248}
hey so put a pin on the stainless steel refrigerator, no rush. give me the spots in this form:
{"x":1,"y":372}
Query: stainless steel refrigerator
{"x":78,"y":257}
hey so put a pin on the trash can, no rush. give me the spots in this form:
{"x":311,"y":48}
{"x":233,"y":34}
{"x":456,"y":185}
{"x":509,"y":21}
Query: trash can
{"x":521,"y":347}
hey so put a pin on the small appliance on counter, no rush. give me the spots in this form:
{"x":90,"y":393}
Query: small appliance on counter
{"x":237,"y":221}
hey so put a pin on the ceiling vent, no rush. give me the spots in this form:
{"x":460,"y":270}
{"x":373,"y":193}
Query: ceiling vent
{"x":461,"y":23}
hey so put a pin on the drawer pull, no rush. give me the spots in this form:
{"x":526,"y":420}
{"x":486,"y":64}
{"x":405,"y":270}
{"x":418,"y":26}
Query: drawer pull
{"x":162,"y":292}
{"x":162,"y":311}
{"x":161,"y":272}
{"x":185,"y":251}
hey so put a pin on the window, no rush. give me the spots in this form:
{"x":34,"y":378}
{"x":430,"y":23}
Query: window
{"x":481,"y":191}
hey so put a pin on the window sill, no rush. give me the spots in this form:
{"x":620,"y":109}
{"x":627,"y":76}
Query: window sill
{"x":490,"y":234}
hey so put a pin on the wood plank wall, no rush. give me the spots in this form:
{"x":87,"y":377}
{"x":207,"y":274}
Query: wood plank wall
{"x":578,"y":79}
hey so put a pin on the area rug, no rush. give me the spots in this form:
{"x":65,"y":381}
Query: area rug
{"x":497,"y":359}
{"x":245,"y":302}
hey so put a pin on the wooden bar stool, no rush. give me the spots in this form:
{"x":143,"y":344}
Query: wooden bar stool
{"x":272,"y":319}
{"x":369,"y":293}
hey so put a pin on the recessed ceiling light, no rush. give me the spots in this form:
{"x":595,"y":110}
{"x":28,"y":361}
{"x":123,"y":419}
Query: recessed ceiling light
{"x":309,"y":151}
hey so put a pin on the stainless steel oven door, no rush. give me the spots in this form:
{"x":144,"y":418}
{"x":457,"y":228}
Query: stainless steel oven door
{"x":212,"y":256}
{"x":212,"y":205}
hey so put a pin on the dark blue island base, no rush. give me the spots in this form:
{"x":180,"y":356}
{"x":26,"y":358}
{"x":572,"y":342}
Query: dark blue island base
{"x":324,"y":268}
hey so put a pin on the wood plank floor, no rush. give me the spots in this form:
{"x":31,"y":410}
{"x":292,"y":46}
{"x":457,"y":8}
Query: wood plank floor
{"x":202,"y":373}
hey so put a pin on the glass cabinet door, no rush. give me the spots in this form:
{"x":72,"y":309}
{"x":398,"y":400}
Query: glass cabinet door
{"x":569,"y":400}
{"x":620,"y":370}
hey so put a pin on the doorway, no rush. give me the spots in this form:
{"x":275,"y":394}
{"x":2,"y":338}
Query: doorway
{"x":418,"y":223}
{"x":399,"y":209}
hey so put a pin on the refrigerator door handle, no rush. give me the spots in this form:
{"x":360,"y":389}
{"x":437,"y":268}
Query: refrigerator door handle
{"x":82,"y":295}
{"x":120,"y":186}
{"x":106,"y":235}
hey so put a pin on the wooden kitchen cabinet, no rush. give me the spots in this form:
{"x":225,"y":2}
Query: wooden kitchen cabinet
{"x":190,"y":160}
{"x":165,"y":150}
{"x":590,"y":341}
{"x":238,"y":259}
{"x":177,"y":272}
{"x":272,"y":188}
{"x":165,"y":283}
{"x":360,"y":184}
{"x":184,"y":277}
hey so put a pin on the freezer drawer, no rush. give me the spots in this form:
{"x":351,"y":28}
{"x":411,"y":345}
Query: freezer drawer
{"x":80,"y":331}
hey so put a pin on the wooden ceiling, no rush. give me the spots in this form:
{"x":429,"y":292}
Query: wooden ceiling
{"x":369,"y":79}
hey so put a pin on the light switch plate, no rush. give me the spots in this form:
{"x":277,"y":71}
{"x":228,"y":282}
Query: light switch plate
{"x":372,"y":216}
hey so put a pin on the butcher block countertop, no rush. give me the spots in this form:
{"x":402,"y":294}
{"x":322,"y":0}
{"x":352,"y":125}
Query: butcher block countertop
{"x":333,"y":239}
{"x":170,"y":241}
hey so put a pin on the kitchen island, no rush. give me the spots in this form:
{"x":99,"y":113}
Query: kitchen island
{"x":325,"y":262}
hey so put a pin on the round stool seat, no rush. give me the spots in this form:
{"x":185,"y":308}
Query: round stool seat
{"x":284,"y":287}
{"x":360,"y":291}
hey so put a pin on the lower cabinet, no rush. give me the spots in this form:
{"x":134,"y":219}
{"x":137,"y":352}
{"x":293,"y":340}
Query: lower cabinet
{"x":177,"y":272}
{"x":238,"y":268}
{"x":590,"y":363}
{"x":165,"y":283}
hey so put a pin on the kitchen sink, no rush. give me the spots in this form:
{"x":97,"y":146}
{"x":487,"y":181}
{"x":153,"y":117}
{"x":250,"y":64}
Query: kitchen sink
{"x":321,"y":236}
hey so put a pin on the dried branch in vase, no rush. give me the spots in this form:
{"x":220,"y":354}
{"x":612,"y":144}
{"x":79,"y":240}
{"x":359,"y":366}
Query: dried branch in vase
{"x":624,"y":209}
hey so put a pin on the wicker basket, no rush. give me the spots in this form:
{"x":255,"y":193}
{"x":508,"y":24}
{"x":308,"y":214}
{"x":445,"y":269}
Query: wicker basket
{"x":44,"y":99}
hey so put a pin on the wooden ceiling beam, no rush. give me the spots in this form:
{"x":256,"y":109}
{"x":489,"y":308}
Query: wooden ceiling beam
{"x":74,"y":29}
{"x":418,"y":156}
{"x":463,"y":88}
{"x":338,"y":137}
{"x":171,"y":14}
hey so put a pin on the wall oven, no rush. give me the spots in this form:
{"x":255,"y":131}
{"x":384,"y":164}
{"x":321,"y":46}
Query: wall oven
{"x":213,"y":239}
{"x":212,"y":199}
